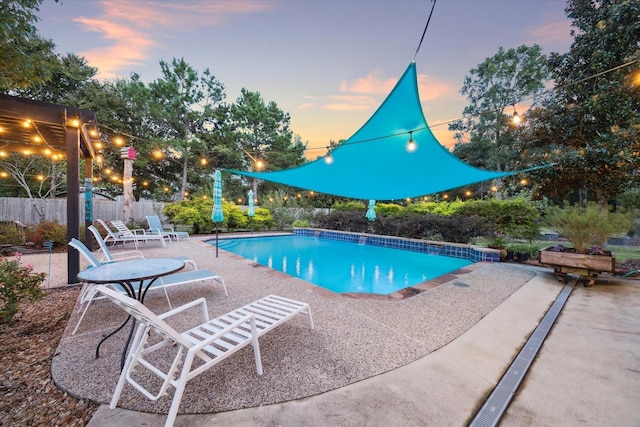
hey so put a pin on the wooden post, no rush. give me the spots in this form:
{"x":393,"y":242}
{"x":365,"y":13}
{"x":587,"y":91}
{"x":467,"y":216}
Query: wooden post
{"x":128,"y":154}
{"x":73,"y":202}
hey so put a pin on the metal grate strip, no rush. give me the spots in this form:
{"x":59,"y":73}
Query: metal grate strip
{"x":496,"y":405}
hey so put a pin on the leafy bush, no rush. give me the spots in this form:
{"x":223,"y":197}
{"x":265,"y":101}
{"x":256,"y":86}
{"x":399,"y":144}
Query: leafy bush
{"x":234,"y":217}
{"x":530,"y":249}
{"x":195,"y":212}
{"x":11,"y":234}
{"x":262,"y":220}
{"x":349,"y":206}
{"x":389,"y":209}
{"x":456,"y":228}
{"x":47,"y":230}
{"x":280,"y":206}
{"x":298,"y":223}
{"x":437,"y":208}
{"x":587,"y":226}
{"x":17,"y":283}
{"x":515,"y":217}
{"x":353,"y":221}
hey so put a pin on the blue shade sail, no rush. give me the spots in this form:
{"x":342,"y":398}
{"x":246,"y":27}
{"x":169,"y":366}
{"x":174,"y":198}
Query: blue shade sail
{"x":375,"y":162}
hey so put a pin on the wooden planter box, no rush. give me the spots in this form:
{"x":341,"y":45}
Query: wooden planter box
{"x":584,"y":265}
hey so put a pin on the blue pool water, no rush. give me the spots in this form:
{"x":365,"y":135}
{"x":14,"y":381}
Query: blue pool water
{"x":341,"y":266}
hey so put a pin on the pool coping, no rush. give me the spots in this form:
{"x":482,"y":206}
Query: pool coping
{"x":396,"y":296}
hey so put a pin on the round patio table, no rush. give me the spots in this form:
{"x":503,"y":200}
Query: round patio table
{"x":144,"y":272}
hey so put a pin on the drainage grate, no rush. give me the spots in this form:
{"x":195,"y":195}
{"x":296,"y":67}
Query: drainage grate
{"x":496,"y":405}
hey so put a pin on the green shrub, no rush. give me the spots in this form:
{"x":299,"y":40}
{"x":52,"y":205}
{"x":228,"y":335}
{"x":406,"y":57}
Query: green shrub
{"x":516,"y":217}
{"x":234,"y":218}
{"x":530,"y":249}
{"x":588,"y":226}
{"x":281,"y":207}
{"x":47,"y":230}
{"x":456,"y":228}
{"x":349,"y":206}
{"x":195,"y":212}
{"x":11,"y":234}
{"x":262,"y":220}
{"x":17,"y":283}
{"x":353,"y":221}
{"x":389,"y":209}
{"x":437,"y":208}
{"x":299,"y":223}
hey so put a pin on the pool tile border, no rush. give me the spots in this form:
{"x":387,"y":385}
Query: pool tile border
{"x":456,"y":250}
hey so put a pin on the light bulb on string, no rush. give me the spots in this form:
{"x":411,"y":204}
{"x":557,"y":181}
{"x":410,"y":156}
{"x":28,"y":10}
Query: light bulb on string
{"x":516,"y":119}
{"x":411,"y":145}
{"x":328,"y":159}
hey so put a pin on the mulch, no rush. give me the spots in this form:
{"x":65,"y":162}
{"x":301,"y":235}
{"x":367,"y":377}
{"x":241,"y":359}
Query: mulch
{"x":29,"y":395}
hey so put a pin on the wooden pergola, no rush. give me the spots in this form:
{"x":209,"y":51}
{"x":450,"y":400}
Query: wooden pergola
{"x":57,"y":132}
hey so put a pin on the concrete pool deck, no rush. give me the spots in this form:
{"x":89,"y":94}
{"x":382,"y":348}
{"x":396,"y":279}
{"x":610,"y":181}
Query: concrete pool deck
{"x":428,"y":360}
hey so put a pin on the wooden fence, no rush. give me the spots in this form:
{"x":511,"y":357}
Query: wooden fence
{"x":56,"y":209}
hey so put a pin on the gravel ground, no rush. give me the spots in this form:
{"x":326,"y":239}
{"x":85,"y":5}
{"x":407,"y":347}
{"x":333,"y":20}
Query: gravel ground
{"x":29,"y":395}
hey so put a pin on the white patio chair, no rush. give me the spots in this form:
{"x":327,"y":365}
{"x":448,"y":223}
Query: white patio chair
{"x":116,"y":237}
{"x":138,"y":234}
{"x":89,"y":293}
{"x":196,"y":350}
{"x":108,"y":256}
{"x":156,"y":227}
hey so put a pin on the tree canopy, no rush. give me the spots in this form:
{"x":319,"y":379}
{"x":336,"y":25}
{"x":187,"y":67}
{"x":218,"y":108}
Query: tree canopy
{"x":589,"y":124}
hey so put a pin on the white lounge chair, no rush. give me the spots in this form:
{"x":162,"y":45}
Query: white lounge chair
{"x":89,"y":293}
{"x":108,"y":256}
{"x":211,"y":342}
{"x":116,"y":237}
{"x":138,"y":234}
{"x":156,"y":227}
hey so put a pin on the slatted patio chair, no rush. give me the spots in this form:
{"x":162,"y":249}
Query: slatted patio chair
{"x":108,"y":256}
{"x":206,"y":344}
{"x":115,"y":237}
{"x":138,"y":234}
{"x":211,"y":342}
{"x":156,"y":227}
{"x":89,"y":293}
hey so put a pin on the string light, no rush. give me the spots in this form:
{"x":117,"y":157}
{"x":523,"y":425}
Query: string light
{"x":328,"y":159}
{"x":411,"y":145}
{"x":516,"y":119}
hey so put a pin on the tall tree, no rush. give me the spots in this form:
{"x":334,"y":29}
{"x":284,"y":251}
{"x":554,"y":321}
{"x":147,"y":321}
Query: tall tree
{"x":263,"y":132}
{"x":26,"y":57}
{"x":187,"y":105}
{"x":69,"y":75}
{"x":484,"y":136}
{"x":590,"y":124}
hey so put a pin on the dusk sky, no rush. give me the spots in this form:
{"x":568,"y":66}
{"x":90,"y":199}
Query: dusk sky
{"x":328,"y":63}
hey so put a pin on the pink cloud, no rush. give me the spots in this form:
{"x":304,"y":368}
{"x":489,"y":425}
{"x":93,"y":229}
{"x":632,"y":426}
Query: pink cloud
{"x":431,"y":88}
{"x":306,"y":106}
{"x":555,"y":32}
{"x":350,"y":102}
{"x":370,"y":84}
{"x":134,"y":28}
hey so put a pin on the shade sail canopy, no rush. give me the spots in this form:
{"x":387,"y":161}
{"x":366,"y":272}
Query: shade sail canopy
{"x":375,"y":162}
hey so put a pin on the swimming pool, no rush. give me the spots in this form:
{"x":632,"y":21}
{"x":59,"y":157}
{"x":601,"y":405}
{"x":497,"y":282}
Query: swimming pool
{"x":343,"y":266}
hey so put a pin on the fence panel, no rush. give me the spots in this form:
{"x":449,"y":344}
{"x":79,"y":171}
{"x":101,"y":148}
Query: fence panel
{"x":56,"y":209}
